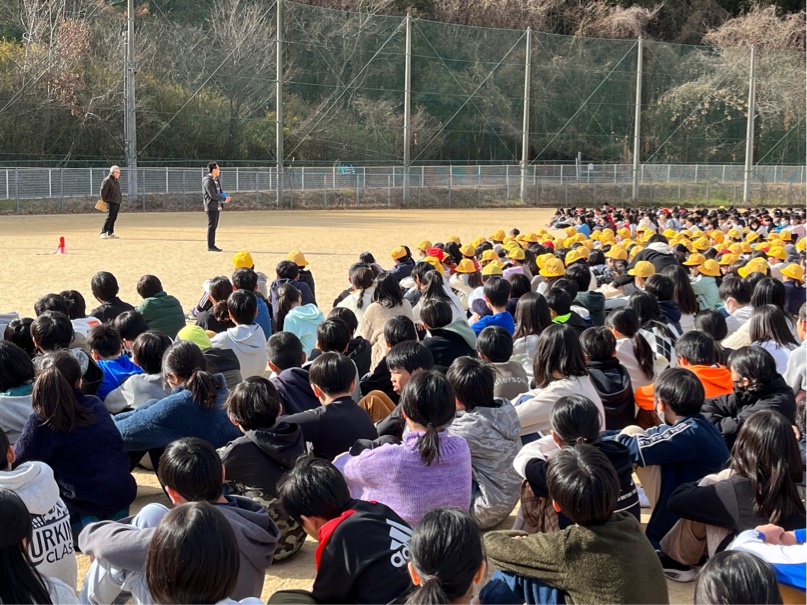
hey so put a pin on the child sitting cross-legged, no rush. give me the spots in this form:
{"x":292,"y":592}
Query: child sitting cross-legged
{"x":255,"y":462}
{"x":602,"y":558}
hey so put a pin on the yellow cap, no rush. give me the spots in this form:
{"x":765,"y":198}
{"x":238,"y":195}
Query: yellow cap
{"x":498,"y":235}
{"x":687,"y":244}
{"x":596,"y":236}
{"x":532,"y":238}
{"x":777,"y":252}
{"x":752,"y":235}
{"x":478,"y":241}
{"x":575,"y":255}
{"x":570,"y":231}
{"x":468,"y":250}
{"x":520,"y":237}
{"x":634,"y":251}
{"x":701,"y":243}
{"x":785,"y":236}
{"x":243,"y":259}
{"x":728,"y":259}
{"x":794,"y":271}
{"x":617,"y":253}
{"x":695,"y":260}
{"x":747,"y":248}
{"x":697,"y":233}
{"x":801,"y":244}
{"x":710,"y":268}
{"x":642,"y":269}
{"x":424,"y":245}
{"x":466,"y":265}
{"x":755,"y":265}
{"x":493,"y":268}
{"x":434,"y":262}
{"x":553,"y":267}
{"x":516,"y":254}
{"x":717,"y":235}
{"x":398,"y":252}
{"x":735,"y":234}
{"x":736,"y":248}
{"x":455,"y":238}
{"x":541,"y":259}
{"x":509,"y":239}
{"x":489,"y":255}
{"x":623,"y":232}
{"x":298,"y":258}
{"x":669,"y":233}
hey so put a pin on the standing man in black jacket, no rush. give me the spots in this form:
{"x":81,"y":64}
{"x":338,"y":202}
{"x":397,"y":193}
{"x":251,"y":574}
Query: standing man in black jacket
{"x":213,"y":198}
{"x":110,"y":193}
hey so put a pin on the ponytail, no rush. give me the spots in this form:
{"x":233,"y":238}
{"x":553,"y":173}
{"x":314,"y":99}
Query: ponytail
{"x":644,"y":355}
{"x":361,"y":278}
{"x":203,"y":386}
{"x":626,"y":322}
{"x":428,"y":400}
{"x":430,"y":592}
{"x":221,"y":314}
{"x":287,"y":295}
{"x":435,"y":288}
{"x":54,"y":399}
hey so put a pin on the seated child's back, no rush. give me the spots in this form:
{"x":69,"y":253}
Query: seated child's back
{"x":160,"y":310}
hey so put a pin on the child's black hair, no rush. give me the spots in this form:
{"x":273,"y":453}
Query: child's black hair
{"x":495,"y":343}
{"x":436,"y":312}
{"x":76,"y":305}
{"x":314,"y":488}
{"x":54,"y":400}
{"x":333,"y":373}
{"x":148,"y":350}
{"x":558,"y":350}
{"x":245,"y":278}
{"x":287,"y":296}
{"x":583,"y":483}
{"x":428,"y":400}
{"x":185,"y":360}
{"x":130,"y":325}
{"x":387,"y":291}
{"x":242,"y":306}
{"x":18,"y":331}
{"x":697,"y":348}
{"x":399,"y":329}
{"x":193,"y":556}
{"x":148,"y":286}
{"x":660,"y":286}
{"x":333,"y":335}
{"x":472,"y":381}
{"x":52,"y":331}
{"x":104,"y":286}
{"x":598,"y":343}
{"x":769,"y":291}
{"x":192,"y":467}
{"x":254,"y":404}
{"x":520,"y":285}
{"x":770,"y":323}
{"x":568,"y":286}
{"x":447,"y":551}
{"x":51,"y":302}
{"x":736,"y":288}
{"x":347,"y":316}
{"x":680,"y":390}
{"x":285,"y":350}
{"x":532,"y":315}
{"x":367,"y":258}
{"x":16,"y":367}
{"x":754,"y":363}
{"x":497,"y":291}
{"x":410,"y":356}
{"x":287,"y":269}
{"x":361,"y":278}
{"x":578,"y":273}
{"x":105,"y":340}
{"x":576,"y":419}
{"x":559,"y":300}
{"x":736,"y":577}
{"x":626,"y":321}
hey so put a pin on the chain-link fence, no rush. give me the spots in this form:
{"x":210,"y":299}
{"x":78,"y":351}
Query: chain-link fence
{"x":72,"y":189}
{"x":206,"y":90}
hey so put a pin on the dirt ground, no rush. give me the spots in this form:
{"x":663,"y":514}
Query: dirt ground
{"x":172,"y":246}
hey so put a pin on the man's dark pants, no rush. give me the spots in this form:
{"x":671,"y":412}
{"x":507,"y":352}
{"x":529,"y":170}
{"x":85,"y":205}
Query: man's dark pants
{"x":212,"y":224}
{"x":111,"y":217}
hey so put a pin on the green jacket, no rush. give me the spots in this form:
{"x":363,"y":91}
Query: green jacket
{"x":164,"y":313}
{"x":608,"y":563}
{"x":706,"y":290}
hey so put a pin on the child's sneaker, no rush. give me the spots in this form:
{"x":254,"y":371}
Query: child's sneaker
{"x":675,"y":571}
{"x":104,"y":236}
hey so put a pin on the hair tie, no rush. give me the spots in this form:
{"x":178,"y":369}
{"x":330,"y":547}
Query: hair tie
{"x":431,"y":579}
{"x":430,"y":425}
{"x":580,"y":440}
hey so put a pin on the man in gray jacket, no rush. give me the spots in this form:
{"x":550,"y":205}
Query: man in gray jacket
{"x":191,"y":470}
{"x":213,"y":198}
{"x":110,"y":193}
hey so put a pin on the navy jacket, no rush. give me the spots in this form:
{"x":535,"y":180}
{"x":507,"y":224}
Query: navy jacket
{"x":295,"y":391}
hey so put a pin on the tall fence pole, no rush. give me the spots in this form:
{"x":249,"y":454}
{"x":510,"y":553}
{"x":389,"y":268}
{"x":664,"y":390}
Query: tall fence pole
{"x":637,"y":121}
{"x":525,"y":123}
{"x":279,"y":103}
{"x":749,"y":135}
{"x":407,"y":110}
{"x":130,"y":115}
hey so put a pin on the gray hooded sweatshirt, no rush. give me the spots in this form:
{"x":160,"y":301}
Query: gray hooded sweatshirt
{"x":135,"y":391}
{"x":493,"y":436}
{"x":15,"y":407}
{"x":51,"y":548}
{"x":249,"y":345}
{"x":124,"y":546}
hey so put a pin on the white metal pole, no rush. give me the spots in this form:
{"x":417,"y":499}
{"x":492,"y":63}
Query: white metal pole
{"x":637,"y":122}
{"x":279,"y":103}
{"x":130,"y":115}
{"x":749,"y":135}
{"x":407,"y":109}
{"x":525,"y":123}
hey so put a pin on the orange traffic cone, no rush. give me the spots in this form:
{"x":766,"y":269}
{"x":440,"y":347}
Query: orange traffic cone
{"x":60,"y":249}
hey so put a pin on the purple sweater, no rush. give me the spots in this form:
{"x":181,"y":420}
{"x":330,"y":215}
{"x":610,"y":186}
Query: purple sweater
{"x":396,"y":476}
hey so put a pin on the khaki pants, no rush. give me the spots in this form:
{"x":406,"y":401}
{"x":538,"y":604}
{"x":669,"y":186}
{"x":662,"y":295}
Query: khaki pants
{"x":649,"y":476}
{"x":688,"y":540}
{"x":377,"y":404}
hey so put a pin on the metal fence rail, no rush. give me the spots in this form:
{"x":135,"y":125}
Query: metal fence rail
{"x":59,"y":183}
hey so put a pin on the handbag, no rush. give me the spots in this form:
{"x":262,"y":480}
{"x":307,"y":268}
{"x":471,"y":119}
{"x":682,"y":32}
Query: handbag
{"x":101,"y":206}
